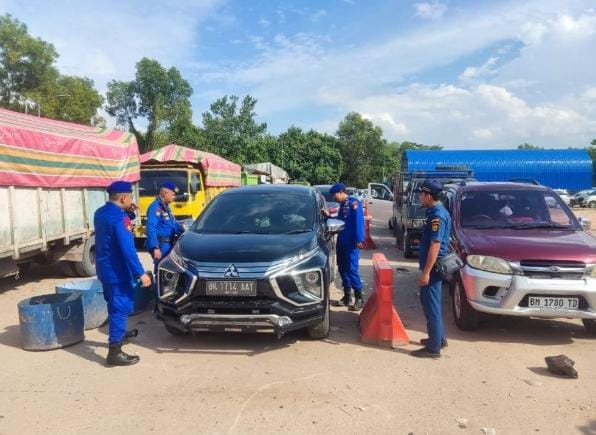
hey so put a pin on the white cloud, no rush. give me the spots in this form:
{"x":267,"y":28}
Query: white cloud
{"x":104,"y":40}
{"x":263,"y":22}
{"x":317,"y":15}
{"x":431,"y":11}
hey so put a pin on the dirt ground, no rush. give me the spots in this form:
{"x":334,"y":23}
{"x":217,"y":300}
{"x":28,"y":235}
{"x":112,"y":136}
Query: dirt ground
{"x":494,"y":378}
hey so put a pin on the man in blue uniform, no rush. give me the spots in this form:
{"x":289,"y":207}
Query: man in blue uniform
{"x":118,"y":267}
{"x":162,"y":226}
{"x":349,"y":243}
{"x":434,"y":244}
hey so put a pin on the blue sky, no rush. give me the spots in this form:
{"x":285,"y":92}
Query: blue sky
{"x":464,"y":74}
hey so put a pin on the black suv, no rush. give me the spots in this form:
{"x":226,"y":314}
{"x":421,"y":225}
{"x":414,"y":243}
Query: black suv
{"x":258,"y":258}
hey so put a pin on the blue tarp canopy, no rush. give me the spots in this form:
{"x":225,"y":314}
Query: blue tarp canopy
{"x":558,"y":169}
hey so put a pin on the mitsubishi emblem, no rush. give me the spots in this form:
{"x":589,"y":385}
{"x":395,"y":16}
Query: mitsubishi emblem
{"x":231,"y":272}
{"x":554,"y":269}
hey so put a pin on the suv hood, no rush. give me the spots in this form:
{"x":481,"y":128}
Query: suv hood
{"x":530,"y":244}
{"x":244,"y":248}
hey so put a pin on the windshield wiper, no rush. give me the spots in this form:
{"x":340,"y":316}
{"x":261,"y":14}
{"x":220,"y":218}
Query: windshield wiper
{"x":485,"y":227}
{"x":248,"y":232}
{"x":298,"y":231}
{"x":541,"y":225}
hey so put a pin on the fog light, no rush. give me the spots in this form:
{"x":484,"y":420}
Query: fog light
{"x":284,"y":321}
{"x":312,"y":277}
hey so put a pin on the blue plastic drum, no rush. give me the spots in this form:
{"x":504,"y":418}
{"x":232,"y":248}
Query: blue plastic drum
{"x":95,"y":307}
{"x":51,"y":321}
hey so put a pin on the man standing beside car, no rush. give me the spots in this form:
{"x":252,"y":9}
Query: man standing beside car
{"x":162,"y":226}
{"x":118,"y":267}
{"x":434,"y":244}
{"x":349,"y":243}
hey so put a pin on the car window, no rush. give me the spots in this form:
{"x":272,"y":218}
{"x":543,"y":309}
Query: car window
{"x":325,"y":191}
{"x":514,"y":208}
{"x":258,"y":214}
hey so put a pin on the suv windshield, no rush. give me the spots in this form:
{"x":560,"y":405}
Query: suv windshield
{"x":515,"y":209}
{"x":152,"y":180}
{"x":255,"y":213}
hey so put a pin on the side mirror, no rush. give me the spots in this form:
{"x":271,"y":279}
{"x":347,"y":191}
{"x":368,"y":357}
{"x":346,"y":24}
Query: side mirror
{"x":335,"y":226}
{"x":193,"y":189}
{"x":585,"y":223}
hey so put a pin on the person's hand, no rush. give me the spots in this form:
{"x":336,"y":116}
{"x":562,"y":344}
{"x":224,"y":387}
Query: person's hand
{"x":424,"y":279}
{"x":157,"y":254}
{"x":360,"y":245}
{"x":145,"y":280}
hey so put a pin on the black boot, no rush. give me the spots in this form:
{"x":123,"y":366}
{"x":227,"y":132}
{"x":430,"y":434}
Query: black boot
{"x":118,"y":358}
{"x":346,"y":300}
{"x":444,"y":343}
{"x":358,"y":303}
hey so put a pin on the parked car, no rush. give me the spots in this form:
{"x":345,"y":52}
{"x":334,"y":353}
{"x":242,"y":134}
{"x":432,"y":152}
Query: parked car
{"x":259,"y":258}
{"x":523,"y":256}
{"x":578,"y":198}
{"x":564,"y":195}
{"x":589,"y":200}
{"x":332,"y":205}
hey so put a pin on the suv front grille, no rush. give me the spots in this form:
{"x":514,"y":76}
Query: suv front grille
{"x":541,"y":269}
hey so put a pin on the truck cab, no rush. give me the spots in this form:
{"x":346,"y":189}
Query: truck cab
{"x":191,"y":199}
{"x":408,"y":215}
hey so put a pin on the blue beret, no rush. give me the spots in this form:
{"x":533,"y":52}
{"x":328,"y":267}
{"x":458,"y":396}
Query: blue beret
{"x":169,"y":185}
{"x":120,"y":187}
{"x":338,"y":187}
{"x":431,"y":186}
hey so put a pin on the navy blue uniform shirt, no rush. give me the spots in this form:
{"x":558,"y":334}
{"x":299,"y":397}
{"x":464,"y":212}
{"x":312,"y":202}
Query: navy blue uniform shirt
{"x":437,"y":227}
{"x":116,"y":258}
{"x":351,"y":213}
{"x":161,"y":223}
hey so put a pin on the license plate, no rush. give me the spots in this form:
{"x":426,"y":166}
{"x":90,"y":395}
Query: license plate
{"x":554,"y":303}
{"x":231,"y":288}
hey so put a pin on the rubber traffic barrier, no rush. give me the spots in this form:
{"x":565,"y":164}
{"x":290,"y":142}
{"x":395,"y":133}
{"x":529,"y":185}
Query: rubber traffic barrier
{"x":95,"y":308}
{"x":51,"y":321}
{"x":368,"y":241}
{"x":379,"y":322}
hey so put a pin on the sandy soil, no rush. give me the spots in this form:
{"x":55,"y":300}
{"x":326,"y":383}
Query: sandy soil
{"x":492,"y":378}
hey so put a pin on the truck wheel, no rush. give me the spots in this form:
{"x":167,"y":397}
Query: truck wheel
{"x":590,"y":326}
{"x":408,"y":252}
{"x":86,"y":267}
{"x":67,"y":268}
{"x":592,"y":204}
{"x":174,"y":331}
{"x":321,"y":329}
{"x":466,"y":318}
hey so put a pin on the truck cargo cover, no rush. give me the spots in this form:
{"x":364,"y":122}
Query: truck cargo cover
{"x":218,"y":171}
{"x":40,"y":152}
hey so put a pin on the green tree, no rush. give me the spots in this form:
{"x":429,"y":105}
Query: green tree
{"x":308,"y":156}
{"x":528,"y":146}
{"x":158,"y":95}
{"x":363,"y":150}
{"x":233,"y":132}
{"x":26,"y":63}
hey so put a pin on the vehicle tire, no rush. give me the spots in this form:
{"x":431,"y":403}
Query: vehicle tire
{"x":590,"y":326}
{"x":466,"y":318}
{"x":86,"y":267}
{"x":321,"y":329}
{"x":592,"y":204}
{"x":408,"y":252}
{"x":67,"y":268}
{"x":174,"y":331}
{"x":390,"y":224}
{"x":23,"y":269}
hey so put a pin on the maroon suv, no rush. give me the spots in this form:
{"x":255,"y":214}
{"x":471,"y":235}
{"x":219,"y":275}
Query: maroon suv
{"x":525,"y":253}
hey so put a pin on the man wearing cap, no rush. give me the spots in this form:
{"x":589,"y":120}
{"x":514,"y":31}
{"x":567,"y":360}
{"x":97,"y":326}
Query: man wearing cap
{"x":434,"y":244}
{"x":162,"y":226}
{"x":118,"y":267}
{"x":349,"y":243}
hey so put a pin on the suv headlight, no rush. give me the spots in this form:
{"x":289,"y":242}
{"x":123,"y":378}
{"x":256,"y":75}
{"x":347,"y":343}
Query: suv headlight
{"x":490,"y":264}
{"x":309,"y":282}
{"x":177,"y":259}
{"x":591,"y":271}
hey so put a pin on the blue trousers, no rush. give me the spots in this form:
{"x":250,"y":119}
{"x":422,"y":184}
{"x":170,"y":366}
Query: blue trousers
{"x":347,"y":263}
{"x":430,"y":296}
{"x":120,"y":299}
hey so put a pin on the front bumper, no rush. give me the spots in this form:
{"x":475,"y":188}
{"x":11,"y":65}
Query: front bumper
{"x":237,"y":322}
{"x":494,"y":293}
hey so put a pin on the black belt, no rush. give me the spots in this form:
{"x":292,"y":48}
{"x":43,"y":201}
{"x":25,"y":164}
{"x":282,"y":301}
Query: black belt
{"x":164,"y":239}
